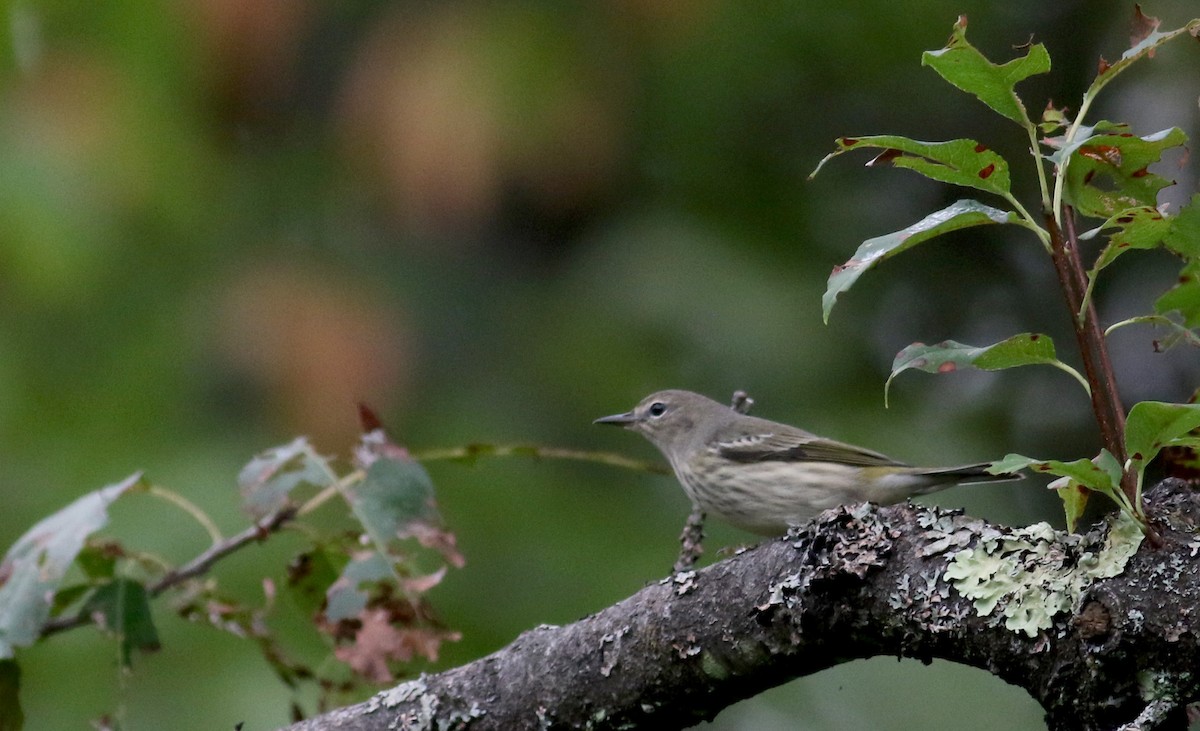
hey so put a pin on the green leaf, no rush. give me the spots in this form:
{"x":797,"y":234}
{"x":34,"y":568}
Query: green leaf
{"x":12,"y":718}
{"x":1107,"y":167}
{"x":947,"y":356}
{"x":1183,"y":238}
{"x":1152,"y":425}
{"x":1184,"y":297}
{"x":959,"y":162}
{"x":268,"y":479}
{"x":959,"y":215}
{"x":1074,"y":498}
{"x":1143,"y":227}
{"x":393,"y":495}
{"x":965,"y":67}
{"x":395,"y":499}
{"x":1102,"y":474}
{"x":1053,"y":119}
{"x":35,"y":565}
{"x":122,"y":608}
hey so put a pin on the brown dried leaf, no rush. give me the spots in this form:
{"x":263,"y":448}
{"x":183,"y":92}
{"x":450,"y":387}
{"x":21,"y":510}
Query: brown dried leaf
{"x":1141,"y":27}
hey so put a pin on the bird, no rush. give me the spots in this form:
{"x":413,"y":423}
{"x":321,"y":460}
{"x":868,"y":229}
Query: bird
{"x":766,"y":477}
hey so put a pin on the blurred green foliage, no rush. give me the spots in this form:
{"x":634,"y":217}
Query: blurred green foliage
{"x":224,"y":223}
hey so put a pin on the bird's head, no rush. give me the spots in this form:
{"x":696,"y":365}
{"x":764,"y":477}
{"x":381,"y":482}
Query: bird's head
{"x":668,"y":418}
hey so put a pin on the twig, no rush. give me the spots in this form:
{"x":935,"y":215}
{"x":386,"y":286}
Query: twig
{"x":193,"y":568}
{"x":204,"y":561}
{"x":474,"y":451}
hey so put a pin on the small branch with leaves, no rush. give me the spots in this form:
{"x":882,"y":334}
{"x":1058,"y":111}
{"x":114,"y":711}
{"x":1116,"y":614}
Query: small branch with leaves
{"x":1097,"y":171}
{"x":363,"y":588}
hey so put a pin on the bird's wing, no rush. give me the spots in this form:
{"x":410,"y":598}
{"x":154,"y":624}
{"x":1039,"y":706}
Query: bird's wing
{"x":796,"y":445}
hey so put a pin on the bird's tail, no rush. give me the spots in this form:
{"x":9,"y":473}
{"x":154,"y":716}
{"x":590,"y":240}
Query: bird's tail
{"x":971,"y":473}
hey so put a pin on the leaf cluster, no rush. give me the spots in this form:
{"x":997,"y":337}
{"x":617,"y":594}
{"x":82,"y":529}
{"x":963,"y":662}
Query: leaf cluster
{"x":1100,"y":171}
{"x":363,"y":588}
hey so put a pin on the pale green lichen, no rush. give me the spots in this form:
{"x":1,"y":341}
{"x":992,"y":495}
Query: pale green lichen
{"x":1031,"y":574}
{"x":713,"y":667}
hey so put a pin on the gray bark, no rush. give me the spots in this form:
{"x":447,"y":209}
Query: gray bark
{"x":1115,"y":652}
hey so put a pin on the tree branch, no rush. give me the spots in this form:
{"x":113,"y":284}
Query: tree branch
{"x":860,"y":581}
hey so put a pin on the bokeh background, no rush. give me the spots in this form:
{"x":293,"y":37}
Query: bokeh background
{"x":224,"y":222}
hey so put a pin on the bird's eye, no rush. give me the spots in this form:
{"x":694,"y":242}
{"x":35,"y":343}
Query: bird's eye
{"x":658,"y":408}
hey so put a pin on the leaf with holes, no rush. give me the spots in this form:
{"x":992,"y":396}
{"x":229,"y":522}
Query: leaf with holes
{"x":1107,"y":167}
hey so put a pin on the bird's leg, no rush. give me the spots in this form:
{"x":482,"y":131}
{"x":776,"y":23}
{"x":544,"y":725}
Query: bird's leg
{"x":691,"y":541}
{"x":741,"y":402}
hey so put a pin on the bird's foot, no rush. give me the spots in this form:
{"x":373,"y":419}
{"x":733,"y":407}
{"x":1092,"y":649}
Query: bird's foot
{"x":691,"y":541}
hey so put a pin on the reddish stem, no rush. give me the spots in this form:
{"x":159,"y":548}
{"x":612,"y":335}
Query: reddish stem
{"x":1093,"y":348}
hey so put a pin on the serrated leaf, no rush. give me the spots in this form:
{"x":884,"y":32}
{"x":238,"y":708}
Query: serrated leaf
{"x":1152,"y":425}
{"x":395,"y":499}
{"x":965,"y":67}
{"x":1107,"y":168}
{"x":959,"y":215}
{"x":267,"y":480}
{"x":1184,"y":297}
{"x":948,"y":356}
{"x":393,"y":495}
{"x":12,"y":718}
{"x":122,"y":608}
{"x":35,"y":565}
{"x":959,"y":162}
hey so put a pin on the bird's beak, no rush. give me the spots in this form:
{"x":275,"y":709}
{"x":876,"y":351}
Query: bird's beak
{"x":619,"y":419}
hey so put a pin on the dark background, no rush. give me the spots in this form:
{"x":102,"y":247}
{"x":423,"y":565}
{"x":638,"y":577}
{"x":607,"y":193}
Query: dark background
{"x":223,"y":223}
